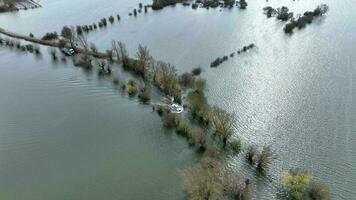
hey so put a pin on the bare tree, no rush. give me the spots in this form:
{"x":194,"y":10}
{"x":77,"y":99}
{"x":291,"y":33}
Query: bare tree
{"x":223,"y":123}
{"x":144,"y":60}
{"x":120,"y":52}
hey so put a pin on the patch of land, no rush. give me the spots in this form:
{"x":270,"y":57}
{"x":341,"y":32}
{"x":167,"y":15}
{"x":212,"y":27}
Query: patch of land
{"x":16,"y":5}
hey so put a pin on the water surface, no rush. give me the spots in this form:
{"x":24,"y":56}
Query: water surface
{"x":296,"y":93}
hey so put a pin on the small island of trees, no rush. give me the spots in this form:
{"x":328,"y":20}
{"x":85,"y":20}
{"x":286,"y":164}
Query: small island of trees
{"x":300,"y":21}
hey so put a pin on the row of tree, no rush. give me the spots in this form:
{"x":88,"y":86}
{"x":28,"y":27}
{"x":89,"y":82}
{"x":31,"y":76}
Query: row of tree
{"x":300,"y":21}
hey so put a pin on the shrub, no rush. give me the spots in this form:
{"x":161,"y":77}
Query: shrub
{"x":200,"y":84}
{"x":131,"y":88}
{"x":61,"y":43}
{"x":196,"y":71}
{"x":160,"y":110}
{"x":199,"y":106}
{"x":67,"y":33}
{"x":242,"y":4}
{"x":50,"y":36}
{"x":321,"y":10}
{"x":264,"y":159}
{"x":53,"y":54}
{"x":200,"y":138}
{"x":251,"y":154}
{"x":145,"y":94}
{"x":235,"y":146}
{"x":184,"y":129}
{"x":168,"y":119}
{"x":31,"y":35}
{"x":202,"y":181}
{"x":111,"y":19}
{"x":289,"y":28}
{"x":29,"y":48}
{"x":79,"y":30}
{"x":186,"y":80}
{"x":317,"y":191}
{"x":269,"y":11}
{"x":284,"y":14}
{"x":295,"y":183}
{"x":236,"y":186}
{"x":85,"y":62}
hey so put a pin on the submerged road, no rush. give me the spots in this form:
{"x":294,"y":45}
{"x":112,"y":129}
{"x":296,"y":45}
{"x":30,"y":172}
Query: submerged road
{"x":51,"y":43}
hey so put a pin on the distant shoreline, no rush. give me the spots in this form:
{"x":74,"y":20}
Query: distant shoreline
{"x":16,"y":5}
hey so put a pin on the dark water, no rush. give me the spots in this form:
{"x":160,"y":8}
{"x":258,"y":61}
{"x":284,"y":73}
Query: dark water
{"x":296,"y":93}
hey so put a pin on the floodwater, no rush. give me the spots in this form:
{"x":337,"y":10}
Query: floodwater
{"x":66,"y":135}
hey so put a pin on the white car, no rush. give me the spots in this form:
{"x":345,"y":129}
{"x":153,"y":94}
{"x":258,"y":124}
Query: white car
{"x":175,"y":108}
{"x":68,"y":51}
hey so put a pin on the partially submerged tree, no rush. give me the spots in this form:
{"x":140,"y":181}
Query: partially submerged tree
{"x":144,"y":61}
{"x":223,"y":123}
{"x":120,"y":52}
{"x":202,"y":181}
{"x":166,"y":79}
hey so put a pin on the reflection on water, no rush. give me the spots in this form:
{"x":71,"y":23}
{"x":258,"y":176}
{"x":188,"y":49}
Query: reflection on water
{"x":295,"y":93}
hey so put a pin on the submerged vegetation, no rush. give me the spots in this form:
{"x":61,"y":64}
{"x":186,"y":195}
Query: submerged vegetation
{"x":160,"y":4}
{"x":208,"y":128}
{"x":298,"y":185}
{"x":300,"y":21}
{"x":218,"y":61}
{"x":307,"y":18}
{"x":16,"y":5}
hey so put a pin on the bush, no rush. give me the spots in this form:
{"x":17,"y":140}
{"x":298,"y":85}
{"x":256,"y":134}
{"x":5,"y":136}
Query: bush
{"x":50,"y":36}
{"x":200,"y":84}
{"x":317,"y":191}
{"x":264,"y":159}
{"x":289,"y":28}
{"x":321,"y":10}
{"x":199,"y":106}
{"x":242,"y":4}
{"x":251,"y":154}
{"x":295,"y":183}
{"x":168,"y":119}
{"x":145,"y":94}
{"x":202,"y":181}
{"x":284,"y":14}
{"x":111,"y":19}
{"x":236,"y":186}
{"x":235,"y":146}
{"x":269,"y":11}
{"x":186,"y":80}
{"x":184,"y":129}
{"x":200,"y":138}
{"x":53,"y":54}
{"x":131,"y":88}
{"x":79,"y":30}
{"x":196,"y":71}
